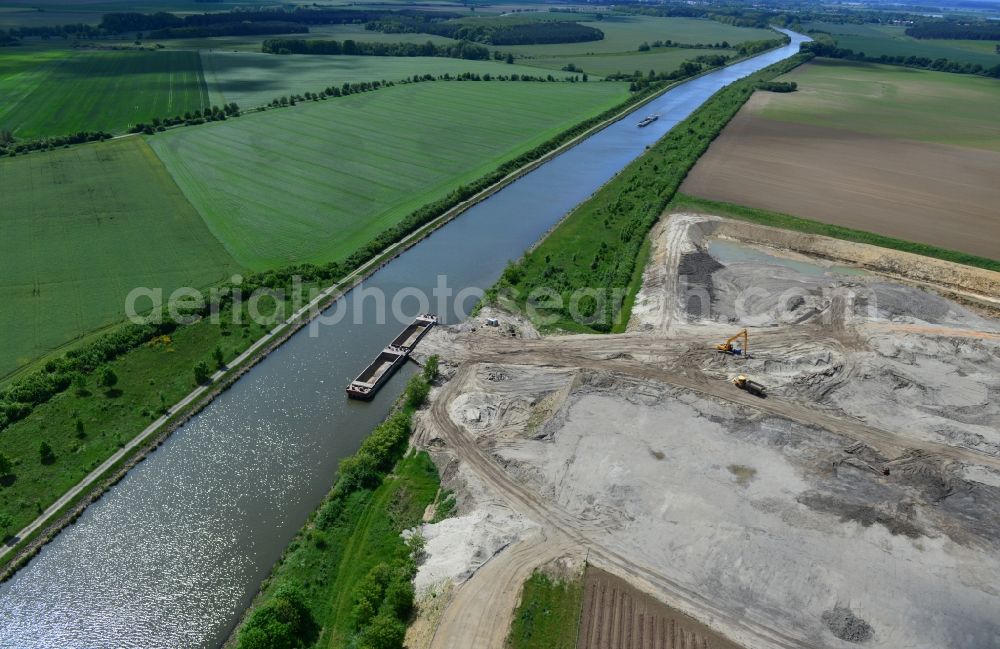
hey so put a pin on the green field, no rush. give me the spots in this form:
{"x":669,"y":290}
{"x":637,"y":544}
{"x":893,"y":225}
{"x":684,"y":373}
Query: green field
{"x":659,"y":59}
{"x":922,"y":105}
{"x":314,"y":182}
{"x":47,"y":91}
{"x":890,"y":40}
{"x":626,"y":33}
{"x":252,"y":79}
{"x":82,"y":227}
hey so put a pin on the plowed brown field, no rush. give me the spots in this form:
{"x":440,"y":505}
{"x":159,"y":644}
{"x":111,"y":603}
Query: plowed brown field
{"x":937,"y":194}
{"x":619,"y":616}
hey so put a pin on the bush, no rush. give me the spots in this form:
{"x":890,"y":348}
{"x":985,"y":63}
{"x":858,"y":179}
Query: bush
{"x":416,"y":391}
{"x":6,"y":465}
{"x":201,"y":373}
{"x":431,"y":368}
{"x":384,"y":632}
{"x":283,"y":623}
{"x":107,"y":378}
{"x":48,"y":456}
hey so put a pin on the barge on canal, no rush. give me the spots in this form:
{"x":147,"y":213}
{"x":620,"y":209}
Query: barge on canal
{"x":646,"y":121}
{"x":389,"y":359}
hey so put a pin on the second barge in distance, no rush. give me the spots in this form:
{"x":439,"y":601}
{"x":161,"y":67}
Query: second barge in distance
{"x":389,"y":359}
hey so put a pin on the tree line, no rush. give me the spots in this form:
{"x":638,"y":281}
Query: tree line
{"x":120,"y":22}
{"x":22,"y":395}
{"x":461,"y":50}
{"x":189,"y":118}
{"x":988,"y":30}
{"x":230,"y":29}
{"x":9,"y":145}
{"x":778,"y":86}
{"x":646,"y":46}
{"x":830,"y":50}
{"x":240,"y":22}
{"x":367,"y":86}
{"x":490,"y":34}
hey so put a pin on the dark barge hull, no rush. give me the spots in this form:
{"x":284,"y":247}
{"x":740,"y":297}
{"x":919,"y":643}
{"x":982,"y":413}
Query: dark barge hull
{"x":373,"y":377}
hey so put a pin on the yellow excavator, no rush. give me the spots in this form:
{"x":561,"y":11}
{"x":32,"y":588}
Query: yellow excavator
{"x":729,"y":348}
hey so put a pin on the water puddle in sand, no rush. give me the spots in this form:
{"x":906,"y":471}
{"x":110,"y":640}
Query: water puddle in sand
{"x":728,"y":252}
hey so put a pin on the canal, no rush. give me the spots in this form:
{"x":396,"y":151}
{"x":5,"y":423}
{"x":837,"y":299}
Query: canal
{"x":172,"y":555}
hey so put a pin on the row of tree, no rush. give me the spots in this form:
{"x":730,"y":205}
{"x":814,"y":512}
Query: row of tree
{"x":778,"y":86}
{"x":986,"y":30}
{"x":9,"y":145}
{"x":121,"y":22}
{"x":367,"y":86}
{"x":830,"y":50}
{"x":529,"y":33}
{"x":190,"y":118}
{"x":14,"y":35}
{"x":230,"y":29}
{"x":22,"y":395}
{"x":460,"y":50}
{"x":646,"y":46}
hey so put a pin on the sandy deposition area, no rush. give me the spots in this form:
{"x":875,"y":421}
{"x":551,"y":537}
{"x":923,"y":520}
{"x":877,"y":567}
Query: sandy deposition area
{"x":858,"y":504}
{"x":941,"y":195}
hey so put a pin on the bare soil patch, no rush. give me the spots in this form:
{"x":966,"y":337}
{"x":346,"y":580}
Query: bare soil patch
{"x":936,"y":194}
{"x":616,"y":614}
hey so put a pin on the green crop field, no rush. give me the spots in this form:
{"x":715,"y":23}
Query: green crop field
{"x":81,"y":228}
{"x":957,"y":109}
{"x":56,"y":92}
{"x":890,"y":40}
{"x":314,"y":182}
{"x":659,"y":59}
{"x":253,"y":79}
{"x":626,"y":33}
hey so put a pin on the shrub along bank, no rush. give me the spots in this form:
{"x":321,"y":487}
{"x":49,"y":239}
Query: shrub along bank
{"x":597,"y":245}
{"x":346,"y":579}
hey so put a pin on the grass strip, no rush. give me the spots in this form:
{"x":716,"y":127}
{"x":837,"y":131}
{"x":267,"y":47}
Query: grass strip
{"x":548,"y":616}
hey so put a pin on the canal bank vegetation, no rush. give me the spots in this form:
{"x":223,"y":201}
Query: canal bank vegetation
{"x":346,"y":580}
{"x":685,"y":203}
{"x":598,"y":245}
